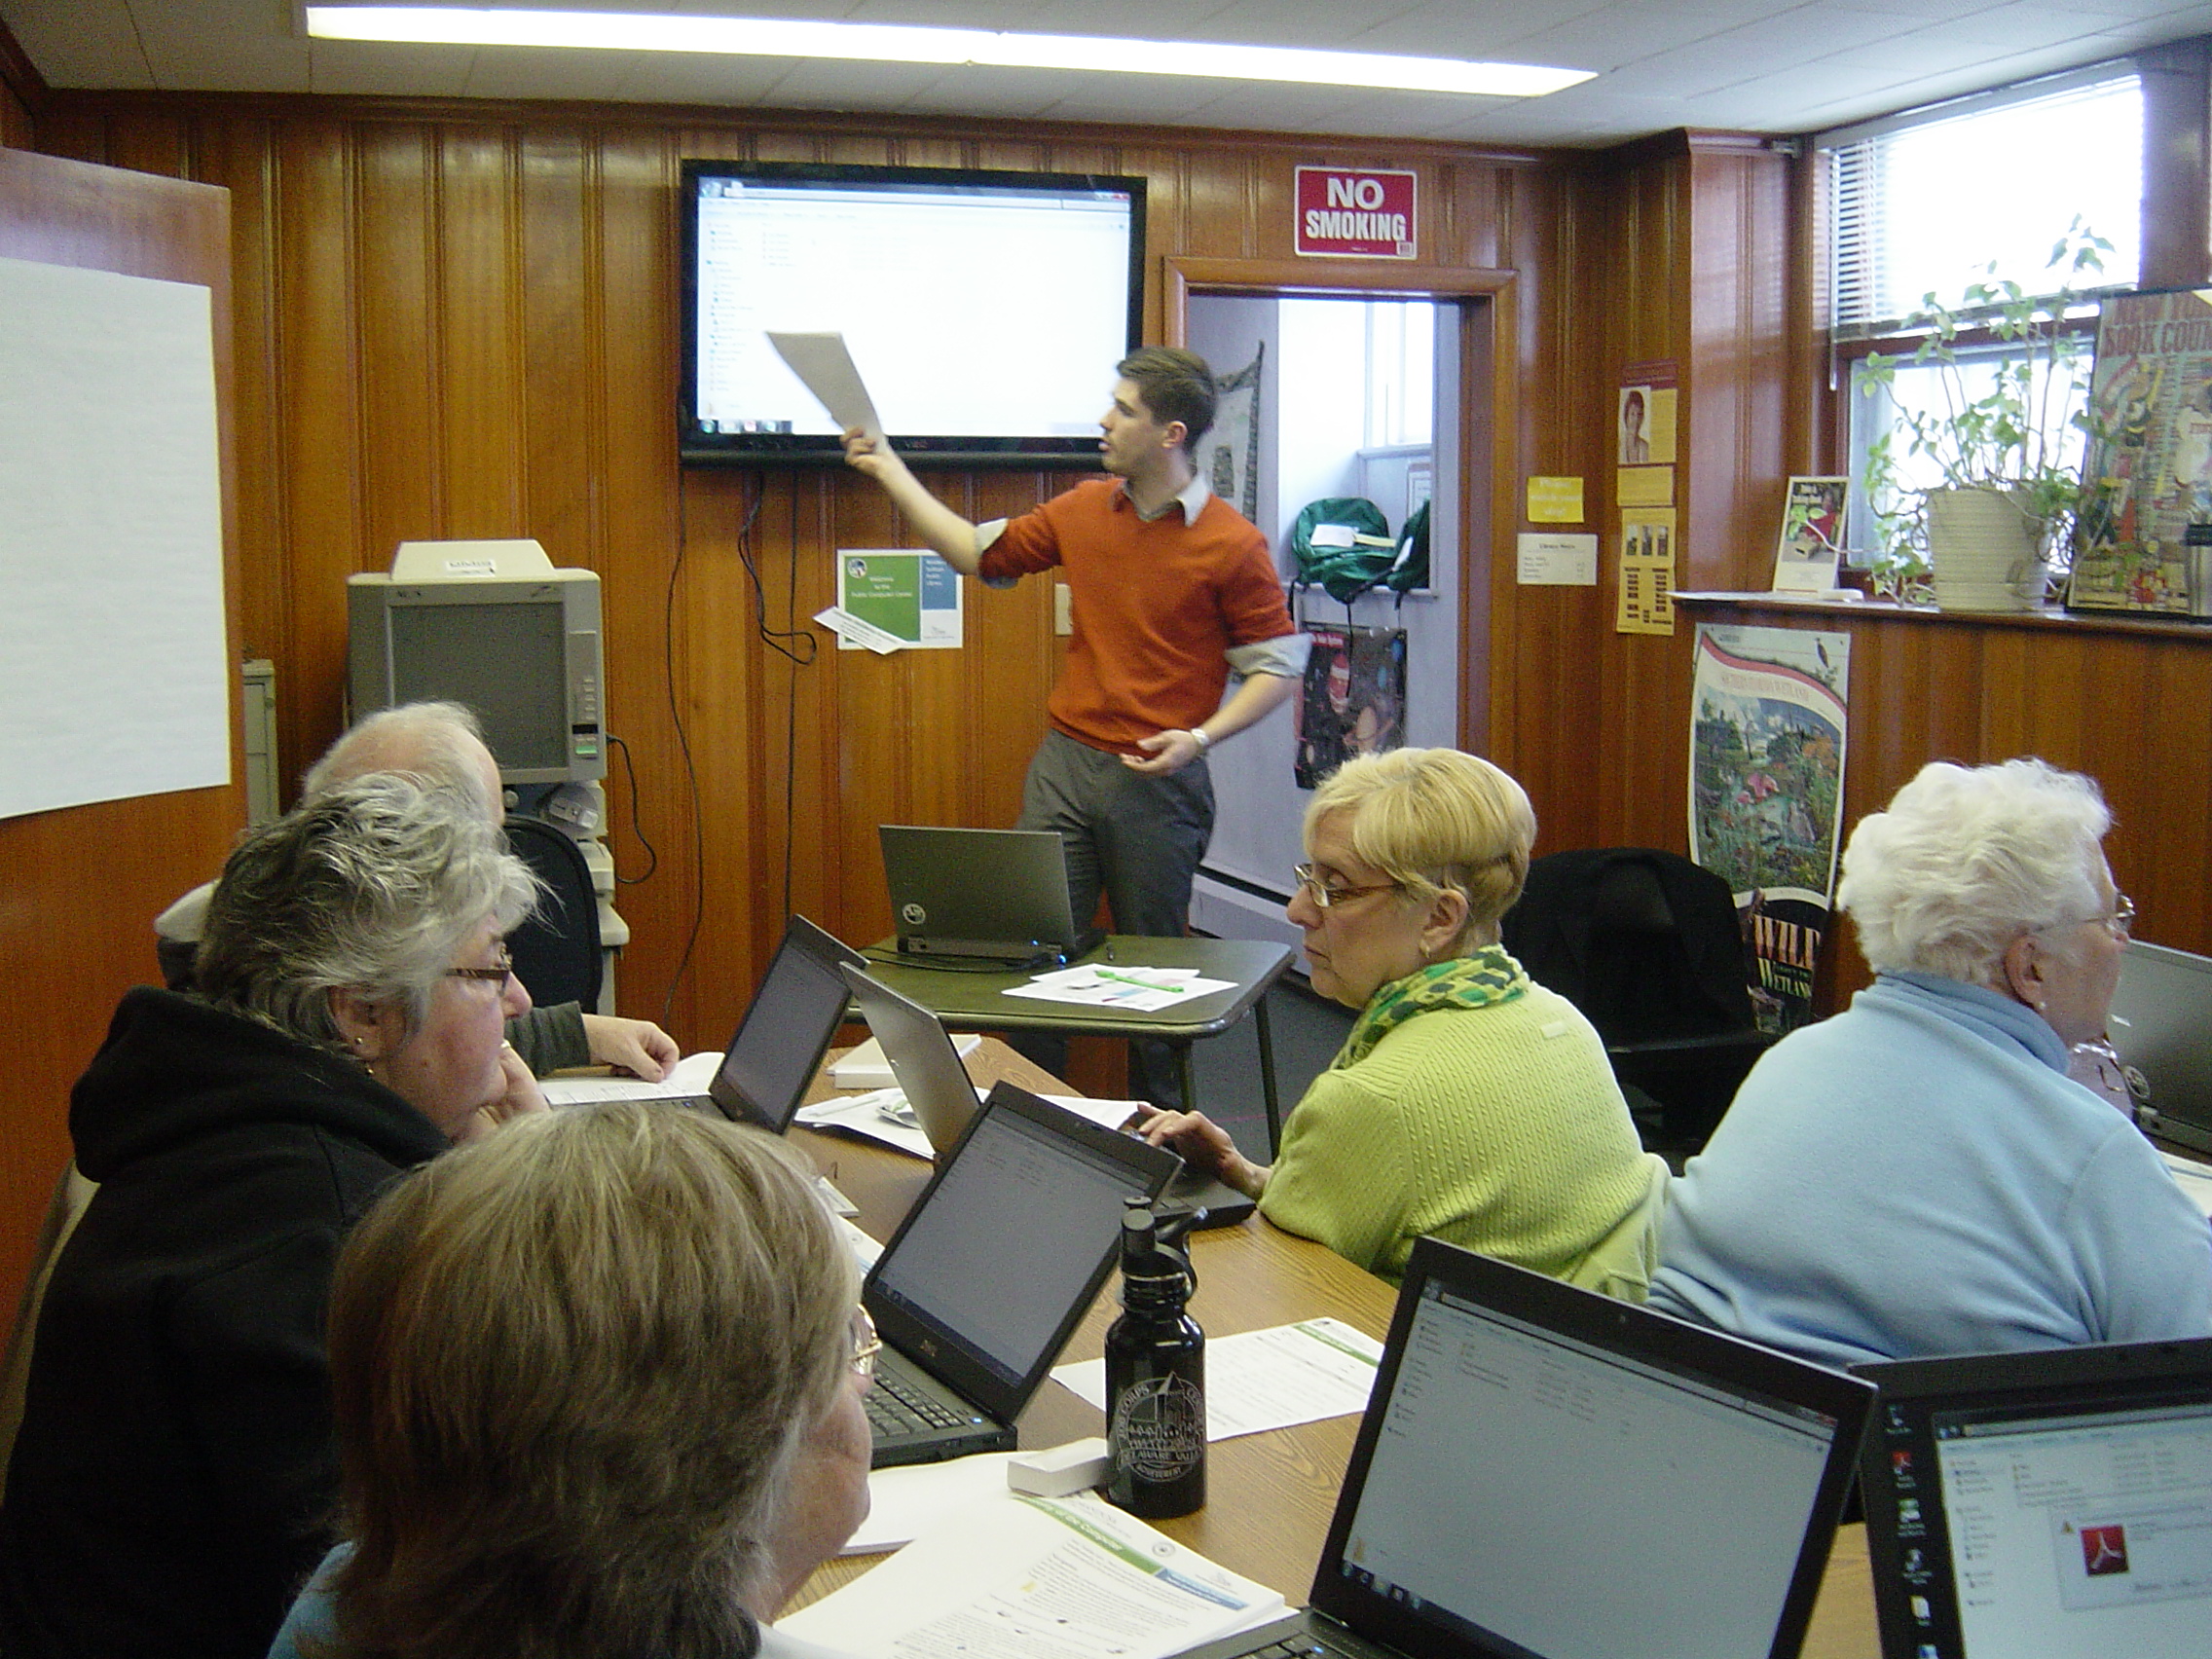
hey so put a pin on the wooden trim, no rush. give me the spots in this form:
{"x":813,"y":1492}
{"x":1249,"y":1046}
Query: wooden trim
{"x":2040,"y":621}
{"x":1317,"y":278}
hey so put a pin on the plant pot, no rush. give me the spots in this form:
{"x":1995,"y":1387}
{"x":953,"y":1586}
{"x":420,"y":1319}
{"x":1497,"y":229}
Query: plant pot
{"x":1986,"y":549}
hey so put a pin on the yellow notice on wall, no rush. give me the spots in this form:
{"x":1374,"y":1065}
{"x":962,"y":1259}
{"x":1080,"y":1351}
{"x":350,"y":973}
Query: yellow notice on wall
{"x":1646,"y":597}
{"x":1555,"y":501}
{"x":1644,"y":486}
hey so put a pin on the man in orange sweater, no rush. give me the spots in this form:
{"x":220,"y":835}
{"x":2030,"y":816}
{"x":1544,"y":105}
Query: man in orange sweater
{"x":1173,"y":591}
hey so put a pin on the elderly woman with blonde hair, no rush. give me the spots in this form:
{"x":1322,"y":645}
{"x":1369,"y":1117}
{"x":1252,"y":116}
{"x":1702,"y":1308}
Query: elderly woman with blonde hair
{"x":1469,"y":1102}
{"x":597,"y":1384}
{"x":1919,"y":1175}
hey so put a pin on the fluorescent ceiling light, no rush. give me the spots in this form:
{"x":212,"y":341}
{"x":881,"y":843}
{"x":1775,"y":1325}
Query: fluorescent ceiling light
{"x":892,"y":43}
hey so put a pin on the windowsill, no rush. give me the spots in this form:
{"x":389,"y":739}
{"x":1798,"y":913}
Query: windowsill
{"x":2051,"y":618}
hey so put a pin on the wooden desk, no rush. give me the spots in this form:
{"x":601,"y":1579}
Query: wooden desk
{"x":1269,"y":1496}
{"x":977,"y":1002}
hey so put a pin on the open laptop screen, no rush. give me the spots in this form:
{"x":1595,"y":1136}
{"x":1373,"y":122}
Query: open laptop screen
{"x":2068,"y":1516}
{"x":801,"y":1001}
{"x":1535,"y":1494}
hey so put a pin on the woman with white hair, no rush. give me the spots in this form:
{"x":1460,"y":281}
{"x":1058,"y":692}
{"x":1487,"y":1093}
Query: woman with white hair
{"x":1918,"y":1175}
{"x":170,"y":1483}
{"x":598,"y":1391}
{"x":1469,"y":1102}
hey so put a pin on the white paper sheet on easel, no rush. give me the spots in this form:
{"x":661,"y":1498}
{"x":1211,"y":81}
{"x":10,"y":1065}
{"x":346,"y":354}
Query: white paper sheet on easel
{"x":826,"y":368}
{"x":115,"y":674}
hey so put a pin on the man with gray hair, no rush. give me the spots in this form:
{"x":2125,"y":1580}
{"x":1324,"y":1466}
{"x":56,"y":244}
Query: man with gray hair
{"x":443,"y":744}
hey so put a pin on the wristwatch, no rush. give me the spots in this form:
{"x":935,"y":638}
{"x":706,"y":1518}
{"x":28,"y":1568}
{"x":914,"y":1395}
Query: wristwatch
{"x":1199,"y":737}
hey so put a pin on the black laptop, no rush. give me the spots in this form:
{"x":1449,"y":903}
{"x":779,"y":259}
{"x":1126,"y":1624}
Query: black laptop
{"x":2043,"y":1505}
{"x":786,"y":1030}
{"x":994,"y":1266}
{"x":2160,"y":1024}
{"x":1000,"y":895}
{"x":1545,"y":1473}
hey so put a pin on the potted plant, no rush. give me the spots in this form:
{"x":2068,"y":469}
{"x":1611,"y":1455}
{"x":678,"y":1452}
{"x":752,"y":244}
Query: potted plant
{"x":1998,"y":523}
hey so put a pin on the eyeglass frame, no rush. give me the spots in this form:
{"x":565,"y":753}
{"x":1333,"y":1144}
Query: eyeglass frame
{"x":1324,"y":898}
{"x":499,"y":973}
{"x":2118,"y":921}
{"x":868,"y":1342}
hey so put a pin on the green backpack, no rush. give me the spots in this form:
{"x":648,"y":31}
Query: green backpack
{"x":1343,"y":545}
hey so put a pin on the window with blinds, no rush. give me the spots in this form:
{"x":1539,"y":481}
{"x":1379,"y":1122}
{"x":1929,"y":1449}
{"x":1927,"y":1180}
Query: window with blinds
{"x":1924,"y":202}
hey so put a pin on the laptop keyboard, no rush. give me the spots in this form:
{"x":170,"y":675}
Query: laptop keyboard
{"x":1304,"y":1646}
{"x":894,"y":1407}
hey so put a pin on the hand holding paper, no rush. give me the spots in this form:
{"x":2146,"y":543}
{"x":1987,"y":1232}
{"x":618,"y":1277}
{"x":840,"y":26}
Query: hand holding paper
{"x":822,"y":364}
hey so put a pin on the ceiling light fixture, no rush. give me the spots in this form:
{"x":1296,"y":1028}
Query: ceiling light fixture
{"x":892,"y":43}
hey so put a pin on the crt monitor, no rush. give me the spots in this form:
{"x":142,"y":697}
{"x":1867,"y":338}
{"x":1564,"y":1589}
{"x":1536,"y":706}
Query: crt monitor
{"x":495,"y":626}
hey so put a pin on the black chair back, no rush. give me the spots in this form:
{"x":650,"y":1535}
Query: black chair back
{"x":556,"y":950}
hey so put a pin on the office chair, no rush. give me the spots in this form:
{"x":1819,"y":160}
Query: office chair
{"x":1646,"y":944}
{"x":556,"y":950}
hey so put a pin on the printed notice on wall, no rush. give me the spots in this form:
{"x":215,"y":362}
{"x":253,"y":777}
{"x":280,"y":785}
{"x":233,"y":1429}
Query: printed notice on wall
{"x":1555,"y":501}
{"x":1647,"y":594}
{"x":1558,"y":561}
{"x":1768,"y":718}
{"x":908,"y":597}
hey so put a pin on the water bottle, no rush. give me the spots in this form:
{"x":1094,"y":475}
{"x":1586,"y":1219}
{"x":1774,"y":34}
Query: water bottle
{"x":1155,"y":1374}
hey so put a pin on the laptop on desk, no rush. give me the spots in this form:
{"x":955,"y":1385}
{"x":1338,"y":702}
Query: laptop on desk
{"x":1544,"y":1473}
{"x":786,"y":1030}
{"x":937,"y":1086}
{"x":2162,"y":1014}
{"x":2045,"y":1505}
{"x":997,"y":1261}
{"x":994,"y":895}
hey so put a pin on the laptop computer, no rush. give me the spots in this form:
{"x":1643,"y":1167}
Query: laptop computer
{"x":1545,"y":1473}
{"x":786,"y":1030}
{"x":937,"y":1086}
{"x":995,"y":1263}
{"x":2045,"y":1505}
{"x":1001,"y":895}
{"x":2160,"y":1013}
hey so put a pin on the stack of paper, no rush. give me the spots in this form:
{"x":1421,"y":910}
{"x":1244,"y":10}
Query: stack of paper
{"x":1048,"y":1577}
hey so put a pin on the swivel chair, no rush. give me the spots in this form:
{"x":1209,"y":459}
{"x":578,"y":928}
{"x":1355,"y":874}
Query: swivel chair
{"x":1646,"y":944}
{"x":557,"y":949}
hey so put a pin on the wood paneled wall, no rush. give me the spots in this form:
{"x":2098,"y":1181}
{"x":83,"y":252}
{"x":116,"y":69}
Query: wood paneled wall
{"x":461,"y":321}
{"x":2123,"y":701}
{"x":82,"y":886}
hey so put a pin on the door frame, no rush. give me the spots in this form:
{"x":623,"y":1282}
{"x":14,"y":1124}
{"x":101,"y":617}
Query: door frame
{"x":1489,"y":415}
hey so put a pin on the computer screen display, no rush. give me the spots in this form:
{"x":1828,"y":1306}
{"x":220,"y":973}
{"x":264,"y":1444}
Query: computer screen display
{"x":984,"y":311}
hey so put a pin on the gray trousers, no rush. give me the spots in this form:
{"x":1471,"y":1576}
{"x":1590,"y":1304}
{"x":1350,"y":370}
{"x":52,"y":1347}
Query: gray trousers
{"x":1138,"y":840}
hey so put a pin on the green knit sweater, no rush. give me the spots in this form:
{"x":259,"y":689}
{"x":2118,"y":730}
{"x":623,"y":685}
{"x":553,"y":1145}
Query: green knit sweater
{"x":1499,"y":1129}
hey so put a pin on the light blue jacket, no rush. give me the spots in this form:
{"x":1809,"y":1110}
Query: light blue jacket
{"x":1919,"y":1176}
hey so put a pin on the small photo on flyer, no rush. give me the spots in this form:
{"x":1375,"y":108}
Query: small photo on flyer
{"x":1805,"y":558}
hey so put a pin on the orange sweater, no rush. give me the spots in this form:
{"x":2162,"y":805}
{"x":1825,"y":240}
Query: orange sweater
{"x":1157,"y":609}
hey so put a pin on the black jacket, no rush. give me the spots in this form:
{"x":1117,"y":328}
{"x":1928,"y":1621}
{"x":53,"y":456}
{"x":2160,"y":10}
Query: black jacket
{"x":173,"y":1478}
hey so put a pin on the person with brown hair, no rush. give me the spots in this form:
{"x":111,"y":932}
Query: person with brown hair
{"x":598,"y":1393}
{"x":1173,"y":592}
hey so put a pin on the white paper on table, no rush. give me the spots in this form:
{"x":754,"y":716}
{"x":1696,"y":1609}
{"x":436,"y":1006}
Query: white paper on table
{"x":822,"y":362}
{"x":905,"y":1502}
{"x":864,"y":1115}
{"x":1062,"y":1575}
{"x":1146,"y":990}
{"x":1106,"y":1114}
{"x":1273,"y":1378}
{"x":687,"y":1078}
{"x":2194,"y":1178}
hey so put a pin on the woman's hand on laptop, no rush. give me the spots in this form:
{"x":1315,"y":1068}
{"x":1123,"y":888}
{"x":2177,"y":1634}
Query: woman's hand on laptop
{"x":1203,"y":1144}
{"x":638,"y":1046}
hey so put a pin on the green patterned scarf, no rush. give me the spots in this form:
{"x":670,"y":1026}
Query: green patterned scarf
{"x":1488,"y":976}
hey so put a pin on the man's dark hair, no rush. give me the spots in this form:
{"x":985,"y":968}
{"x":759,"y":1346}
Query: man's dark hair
{"x":1175,"y":386}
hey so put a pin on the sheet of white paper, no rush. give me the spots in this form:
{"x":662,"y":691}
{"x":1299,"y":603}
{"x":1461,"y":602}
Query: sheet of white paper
{"x":1145,"y":990}
{"x":822,"y":364}
{"x":115,"y":677}
{"x":904,"y":1503}
{"x":1063,"y":1576}
{"x":864,"y":1067}
{"x":2196,"y":1179}
{"x":1106,"y":1114}
{"x":687,"y":1078}
{"x":1262,"y":1380}
{"x":846,"y":626}
{"x":863,"y":1115}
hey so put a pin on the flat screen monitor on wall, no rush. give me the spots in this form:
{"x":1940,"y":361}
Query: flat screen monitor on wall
{"x":984,"y":311}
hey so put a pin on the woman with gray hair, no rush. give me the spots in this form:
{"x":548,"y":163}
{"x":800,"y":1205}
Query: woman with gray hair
{"x":1918,"y":1175}
{"x":171,"y":1478}
{"x":642,"y":1444}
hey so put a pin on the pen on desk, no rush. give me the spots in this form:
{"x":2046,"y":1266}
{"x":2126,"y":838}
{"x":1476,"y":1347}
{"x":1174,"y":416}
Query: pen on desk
{"x":1126,"y":979}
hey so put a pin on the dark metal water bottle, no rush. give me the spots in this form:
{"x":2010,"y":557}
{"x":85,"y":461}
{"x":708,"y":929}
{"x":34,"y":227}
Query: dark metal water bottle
{"x":1155,"y":1374}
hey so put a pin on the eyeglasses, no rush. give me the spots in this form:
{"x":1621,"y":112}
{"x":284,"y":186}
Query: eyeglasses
{"x":867,"y":1344}
{"x":2118,"y":921}
{"x":497,"y":974}
{"x":1324,"y":896}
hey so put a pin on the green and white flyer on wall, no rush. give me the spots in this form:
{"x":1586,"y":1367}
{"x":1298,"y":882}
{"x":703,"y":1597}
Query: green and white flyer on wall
{"x":896,"y":600}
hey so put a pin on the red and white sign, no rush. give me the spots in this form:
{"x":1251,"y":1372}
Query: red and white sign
{"x":1343,"y":213}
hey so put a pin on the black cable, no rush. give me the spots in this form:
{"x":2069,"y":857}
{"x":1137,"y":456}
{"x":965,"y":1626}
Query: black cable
{"x":637,"y":829}
{"x":791,"y":710}
{"x":683,"y":745}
